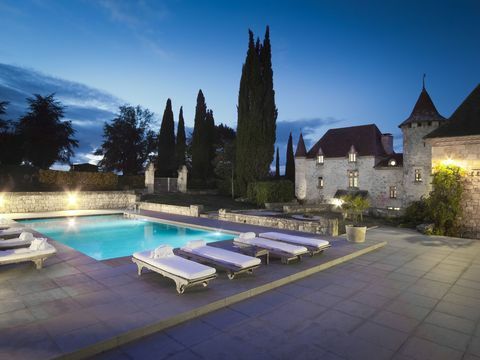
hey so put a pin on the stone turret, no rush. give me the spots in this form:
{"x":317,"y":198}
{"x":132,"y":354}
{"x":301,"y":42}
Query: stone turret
{"x":417,"y":154}
{"x":300,"y":169}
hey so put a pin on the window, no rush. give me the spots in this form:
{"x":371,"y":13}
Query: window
{"x":393,"y":192}
{"x":418,"y":175}
{"x":320,"y":159}
{"x":352,"y":157}
{"x":320,"y":182}
{"x":353,"y":179}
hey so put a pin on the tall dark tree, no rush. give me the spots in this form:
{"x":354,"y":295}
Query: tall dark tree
{"x":11,"y":144}
{"x":166,"y":164}
{"x":257,"y":114}
{"x":209,"y":143}
{"x":46,"y":137}
{"x":128,"y":141}
{"x":290,"y":164}
{"x":181,"y":142}
{"x":199,"y":154}
{"x":277,"y":165}
{"x":224,"y":159}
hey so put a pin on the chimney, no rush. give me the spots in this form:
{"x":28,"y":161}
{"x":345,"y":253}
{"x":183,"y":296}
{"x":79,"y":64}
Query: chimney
{"x":387,"y":142}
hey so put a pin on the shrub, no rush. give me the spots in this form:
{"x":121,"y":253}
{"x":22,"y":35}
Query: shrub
{"x":78,"y":180}
{"x":131,"y":182}
{"x":262,"y":192}
{"x":416,"y":213}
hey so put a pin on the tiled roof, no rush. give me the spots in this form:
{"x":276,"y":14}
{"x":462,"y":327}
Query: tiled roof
{"x":385,"y":162}
{"x":366,"y":139}
{"x":301,"y":149}
{"x":464,"y":121}
{"x":424,"y":110}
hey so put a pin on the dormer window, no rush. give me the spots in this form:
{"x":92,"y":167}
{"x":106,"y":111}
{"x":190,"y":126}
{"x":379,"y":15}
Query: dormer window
{"x":320,"y":159}
{"x":392,"y":162}
{"x":352,"y":154}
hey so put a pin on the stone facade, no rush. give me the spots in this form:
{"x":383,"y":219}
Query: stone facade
{"x":322,"y":226}
{"x":464,"y":152}
{"x":192,"y":210}
{"x":25,"y":202}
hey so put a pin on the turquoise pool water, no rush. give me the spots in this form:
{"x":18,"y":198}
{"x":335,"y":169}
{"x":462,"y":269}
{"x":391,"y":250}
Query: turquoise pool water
{"x":110,"y":236}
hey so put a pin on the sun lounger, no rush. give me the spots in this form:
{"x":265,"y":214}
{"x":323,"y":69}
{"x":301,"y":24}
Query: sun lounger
{"x":286,"y":252}
{"x":232,"y":262}
{"x":24,"y":239}
{"x":184,"y":272}
{"x":38,"y":252}
{"x":313,"y":245}
{"x":16,"y":230}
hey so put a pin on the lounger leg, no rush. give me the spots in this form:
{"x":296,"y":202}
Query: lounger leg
{"x":38,"y":263}
{"x":230,"y":275}
{"x":181,"y":286}
{"x":140,"y":268}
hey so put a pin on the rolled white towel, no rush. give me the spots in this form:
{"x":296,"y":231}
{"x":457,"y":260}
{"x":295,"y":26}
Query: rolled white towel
{"x":247,"y":235}
{"x":195,"y":244}
{"x":162,"y":251}
{"x":26,"y":236}
{"x":38,"y":244}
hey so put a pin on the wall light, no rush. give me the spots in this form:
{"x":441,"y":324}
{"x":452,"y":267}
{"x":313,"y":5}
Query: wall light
{"x":451,"y":162}
{"x":72,"y":199}
{"x":2,"y":201}
{"x":336,"y":202}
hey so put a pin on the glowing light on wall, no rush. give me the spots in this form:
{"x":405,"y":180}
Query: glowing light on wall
{"x":72,"y":199}
{"x":452,"y":162}
{"x":336,"y":202}
{"x":2,"y":201}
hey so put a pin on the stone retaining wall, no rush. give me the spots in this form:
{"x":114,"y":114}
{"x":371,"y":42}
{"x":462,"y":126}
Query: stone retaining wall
{"x":323,"y":226}
{"x":192,"y":210}
{"x":25,"y":202}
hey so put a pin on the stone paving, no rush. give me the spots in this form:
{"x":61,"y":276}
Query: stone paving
{"x":416,"y":298}
{"x":76,"y":301}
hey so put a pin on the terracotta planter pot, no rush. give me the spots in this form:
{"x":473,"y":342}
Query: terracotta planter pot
{"x":356,"y":234}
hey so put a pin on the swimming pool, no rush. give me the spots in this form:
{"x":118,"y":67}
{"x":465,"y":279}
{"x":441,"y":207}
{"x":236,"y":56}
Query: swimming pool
{"x":110,"y":236}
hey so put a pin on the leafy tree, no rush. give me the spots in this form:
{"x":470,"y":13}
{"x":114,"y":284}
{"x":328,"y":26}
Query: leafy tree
{"x":444,"y":201}
{"x":257,"y":114}
{"x":290,"y":164}
{"x":46,"y":137}
{"x":166,"y":164}
{"x":11,"y":144}
{"x":277,"y":165}
{"x":181,"y":143}
{"x":128,"y":141}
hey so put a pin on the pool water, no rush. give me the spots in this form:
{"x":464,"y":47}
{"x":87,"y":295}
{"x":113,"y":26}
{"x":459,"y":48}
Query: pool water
{"x":110,"y":236}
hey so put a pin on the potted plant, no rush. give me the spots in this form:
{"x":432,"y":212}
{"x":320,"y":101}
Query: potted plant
{"x":354,"y":206}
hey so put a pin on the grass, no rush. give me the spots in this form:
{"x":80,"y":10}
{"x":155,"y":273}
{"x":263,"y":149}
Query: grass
{"x":209,"y":202}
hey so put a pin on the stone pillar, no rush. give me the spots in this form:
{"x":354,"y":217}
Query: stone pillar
{"x":182,"y":179}
{"x":150,"y":178}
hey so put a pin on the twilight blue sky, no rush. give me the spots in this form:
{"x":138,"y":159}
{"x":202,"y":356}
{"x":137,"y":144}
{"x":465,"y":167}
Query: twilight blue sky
{"x":336,"y":63}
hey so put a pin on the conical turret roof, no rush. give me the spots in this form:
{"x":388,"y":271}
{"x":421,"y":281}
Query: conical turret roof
{"x":464,"y":121}
{"x":424,"y":110}
{"x":301,"y":149}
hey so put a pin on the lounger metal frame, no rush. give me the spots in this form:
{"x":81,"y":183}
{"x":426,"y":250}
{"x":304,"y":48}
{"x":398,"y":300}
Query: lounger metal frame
{"x":180,"y":282}
{"x":230,"y":269}
{"x":37,"y":260}
{"x":285,"y":257}
{"x":311,"y":249}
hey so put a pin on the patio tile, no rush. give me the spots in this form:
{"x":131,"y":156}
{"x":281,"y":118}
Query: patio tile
{"x":11,"y":305}
{"x":395,"y":321}
{"x":77,"y":339}
{"x":355,"y":308}
{"x":451,"y":322}
{"x":53,"y":308}
{"x":335,"y":320}
{"x":40,"y":297}
{"x":129,"y":321}
{"x":371,"y":299}
{"x":16,"y":318}
{"x":44,"y":349}
{"x":417,"y":299}
{"x":23,"y":288}
{"x":192,"y":332}
{"x":466,"y":312}
{"x":443,"y":336}
{"x":381,"y":335}
{"x":68,"y":322}
{"x":408,"y":310}
{"x":224,"y":318}
{"x":157,"y":346}
{"x":422,"y":349}
{"x":323,"y":299}
{"x":474,"y":346}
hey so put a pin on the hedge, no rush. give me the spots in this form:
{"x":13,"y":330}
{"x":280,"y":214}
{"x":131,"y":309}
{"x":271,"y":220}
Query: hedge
{"x":131,"y":182}
{"x":262,"y":192}
{"x":81,"y":180}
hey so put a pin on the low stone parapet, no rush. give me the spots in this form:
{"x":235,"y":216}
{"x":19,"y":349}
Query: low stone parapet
{"x":28,"y":202}
{"x":192,"y":210}
{"x":322,"y":226}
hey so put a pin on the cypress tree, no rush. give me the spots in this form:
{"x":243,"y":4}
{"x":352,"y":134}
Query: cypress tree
{"x":199,"y":154}
{"x":257,"y":115}
{"x":277,"y":166}
{"x":290,"y":165}
{"x":166,"y":143}
{"x":180,"y":145}
{"x":209,"y":143}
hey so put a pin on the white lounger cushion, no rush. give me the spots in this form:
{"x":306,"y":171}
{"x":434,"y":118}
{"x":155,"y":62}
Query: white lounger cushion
{"x":221,"y":255}
{"x":274,"y":245}
{"x":25,"y":254}
{"x":25,"y":238}
{"x":300,"y":240}
{"x":12,"y":230}
{"x":177,"y":265}
{"x":162,"y":251}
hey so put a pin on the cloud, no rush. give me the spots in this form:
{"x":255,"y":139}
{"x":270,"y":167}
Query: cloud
{"x":88,"y":108}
